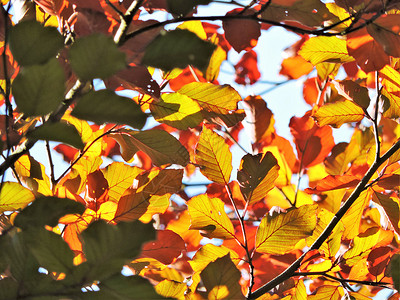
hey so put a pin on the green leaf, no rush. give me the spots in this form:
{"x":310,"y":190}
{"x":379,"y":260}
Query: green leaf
{"x":176,"y":110}
{"x":221,"y":279}
{"x":159,"y":145}
{"x":177,"y":49}
{"x":50,"y":250}
{"x":183,"y":7}
{"x":39,"y":89}
{"x":395,"y":270}
{"x":96,"y":56}
{"x":31,"y":43}
{"x":8,"y":289}
{"x":47,"y":211}
{"x":108,"y":247}
{"x":60,"y":132}
{"x":124,"y":288}
{"x":106,"y":106}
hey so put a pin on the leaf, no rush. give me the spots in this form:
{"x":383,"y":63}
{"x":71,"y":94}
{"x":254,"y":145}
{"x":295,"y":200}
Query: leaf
{"x":221,"y":279}
{"x":394,"y":268}
{"x":183,"y":7}
{"x":378,"y":260}
{"x":214,"y":157}
{"x":159,"y":145}
{"x":257,"y":175}
{"x":391,"y":104}
{"x":96,"y":184}
{"x":217,"y":58}
{"x":95,"y":56}
{"x":391,"y":207}
{"x":14,"y":196}
{"x":39,"y":89}
{"x":334,"y":182}
{"x":119,"y":177}
{"x":353,"y":91}
{"x":385,"y":30}
{"x":177,"y":49}
{"x":60,"y":132}
{"x":362,"y":246}
{"x":166,"y":248}
{"x":51,"y":251}
{"x":338,"y":113}
{"x":390,"y":79}
{"x":215,"y":98}
{"x":31,"y":43}
{"x":47,"y":211}
{"x":113,"y":246}
{"x":325,"y":49}
{"x":208,"y":214}
{"x":246,"y":70}
{"x":332,"y":292}
{"x":295,"y":67}
{"x":241,"y":34}
{"x":352,"y":218}
{"x":308,"y":12}
{"x":170,"y":288}
{"x":280,"y":233}
{"x":176,"y":110}
{"x":367,"y":52}
{"x":105,"y":106}
{"x":313,"y":143}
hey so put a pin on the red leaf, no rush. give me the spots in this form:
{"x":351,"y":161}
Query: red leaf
{"x":184,"y":78}
{"x":247,"y":69}
{"x":313,"y":143}
{"x":241,"y":34}
{"x":66,"y":151}
{"x":166,"y":248}
{"x":97,"y":184}
{"x":378,"y":260}
{"x":51,"y":7}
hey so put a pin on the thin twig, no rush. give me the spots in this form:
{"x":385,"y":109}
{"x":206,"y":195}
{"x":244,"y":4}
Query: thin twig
{"x":226,"y":131}
{"x":120,"y":35}
{"x":376,"y":115}
{"x":52,"y":178}
{"x":119,"y":13}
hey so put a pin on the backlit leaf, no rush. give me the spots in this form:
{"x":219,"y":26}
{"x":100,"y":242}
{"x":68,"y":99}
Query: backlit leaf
{"x":216,"y":98}
{"x":334,"y":182}
{"x":390,"y":79}
{"x":60,"y":132}
{"x":362,"y":246}
{"x":39,"y":89}
{"x":159,"y":145}
{"x":176,"y":110}
{"x":177,"y":49}
{"x":31,"y":43}
{"x":351,"y":90}
{"x":386,"y":31}
{"x":14,"y":196}
{"x":208,"y":215}
{"x":105,"y":106}
{"x":170,"y":288}
{"x":257,"y":175}
{"x":352,"y":218}
{"x":221,"y":279}
{"x":95,"y":56}
{"x":391,"y":207}
{"x":214,"y":157}
{"x":338,"y":113}
{"x":325,"y":49}
{"x":332,"y":292}
{"x":278,"y":234}
{"x":391,"y":104}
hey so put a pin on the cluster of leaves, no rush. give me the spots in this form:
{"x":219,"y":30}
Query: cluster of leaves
{"x":70,"y":236}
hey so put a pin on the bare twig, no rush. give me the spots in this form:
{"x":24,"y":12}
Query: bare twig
{"x":52,"y":178}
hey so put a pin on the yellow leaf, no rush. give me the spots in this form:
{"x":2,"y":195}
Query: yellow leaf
{"x":107,"y":210}
{"x":169,"y":288}
{"x":332,"y":292}
{"x":195,"y":27}
{"x":338,"y":113}
{"x":284,"y":171}
{"x":325,"y":49}
{"x":390,"y":79}
{"x":119,"y":177}
{"x":351,"y":220}
{"x":176,"y":110}
{"x":278,"y":234}
{"x":214,"y":157}
{"x":14,"y":196}
{"x":299,"y":292}
{"x":391,"y":104}
{"x":45,"y":19}
{"x":218,"y":56}
{"x":215,"y":98}
{"x":257,"y":175}
{"x":341,"y":13}
{"x":208,"y":214}
{"x":362,"y":246}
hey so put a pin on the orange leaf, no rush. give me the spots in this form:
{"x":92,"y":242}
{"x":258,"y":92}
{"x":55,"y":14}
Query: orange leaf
{"x":313,"y":143}
{"x":278,"y":234}
{"x":246,"y":70}
{"x":294,"y":67}
{"x":214,"y":157}
{"x":241,"y":34}
{"x":378,"y":260}
{"x":165,"y":248}
{"x":334,"y":182}
{"x":208,"y":215}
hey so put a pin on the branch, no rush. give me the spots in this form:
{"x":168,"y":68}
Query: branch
{"x":325,"y":234}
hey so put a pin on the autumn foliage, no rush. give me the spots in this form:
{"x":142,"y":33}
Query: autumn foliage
{"x":131,"y":93}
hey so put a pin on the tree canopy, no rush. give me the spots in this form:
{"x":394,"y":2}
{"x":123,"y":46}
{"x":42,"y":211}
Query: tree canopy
{"x":130,"y":92}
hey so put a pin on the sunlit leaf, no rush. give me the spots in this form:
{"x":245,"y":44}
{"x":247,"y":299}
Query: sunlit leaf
{"x":351,"y":220}
{"x":106,"y":106}
{"x":338,"y":113}
{"x":325,"y":49}
{"x":386,"y":31}
{"x":257,"y":175}
{"x":278,"y":234}
{"x":31,"y":43}
{"x":390,"y":79}
{"x":362,"y":246}
{"x":208,"y":215}
{"x":217,"y":58}
{"x":169,"y":288}
{"x":330,"y":183}
{"x":391,"y":207}
{"x":391,"y":104}
{"x":14,"y":196}
{"x":333,"y":292}
{"x":159,"y":145}
{"x":214,"y":157}
{"x":177,"y":49}
{"x":216,"y":98}
{"x":95,"y":56}
{"x":221,"y":279}
{"x":176,"y":110}
{"x":39,"y":89}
